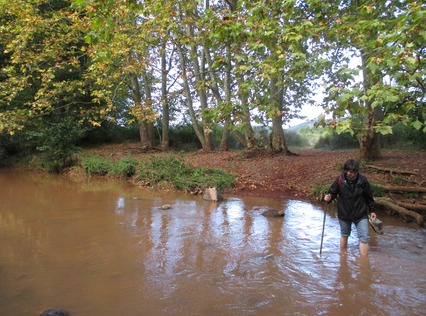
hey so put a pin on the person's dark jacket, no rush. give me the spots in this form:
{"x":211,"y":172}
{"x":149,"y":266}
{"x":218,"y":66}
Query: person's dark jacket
{"x":354,"y":202}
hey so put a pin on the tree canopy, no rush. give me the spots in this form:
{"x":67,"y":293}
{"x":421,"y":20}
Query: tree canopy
{"x":214,"y":63}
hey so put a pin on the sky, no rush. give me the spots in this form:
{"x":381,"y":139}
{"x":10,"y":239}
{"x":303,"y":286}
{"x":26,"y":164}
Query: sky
{"x":309,"y":111}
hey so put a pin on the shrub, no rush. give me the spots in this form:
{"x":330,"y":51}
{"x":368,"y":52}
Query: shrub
{"x":184,"y":137}
{"x":174,"y":171}
{"x":125,"y":167}
{"x":204,"y":178}
{"x":56,"y":142}
{"x":404,"y":137}
{"x":319,"y":191}
{"x":96,"y":165}
{"x":109,"y":132}
{"x":11,"y":146}
{"x":161,"y":169}
{"x":294,"y":139}
{"x":337,"y":141}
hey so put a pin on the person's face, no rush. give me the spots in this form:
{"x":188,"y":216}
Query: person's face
{"x":351,"y":174}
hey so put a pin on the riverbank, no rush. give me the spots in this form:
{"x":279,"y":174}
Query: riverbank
{"x":261,"y":173}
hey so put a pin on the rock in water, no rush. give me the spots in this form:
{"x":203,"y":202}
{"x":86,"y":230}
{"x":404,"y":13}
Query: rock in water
{"x":212,"y":194}
{"x":54,"y":312}
{"x":273,"y":213}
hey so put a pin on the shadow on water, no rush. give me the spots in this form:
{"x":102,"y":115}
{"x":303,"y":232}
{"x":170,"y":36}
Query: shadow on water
{"x":110,"y":249}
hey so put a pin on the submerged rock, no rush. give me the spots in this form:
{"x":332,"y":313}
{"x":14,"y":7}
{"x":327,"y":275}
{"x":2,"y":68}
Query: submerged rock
{"x":273,"y":213}
{"x":54,"y":312}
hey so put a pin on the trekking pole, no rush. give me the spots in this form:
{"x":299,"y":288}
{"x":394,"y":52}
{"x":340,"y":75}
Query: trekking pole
{"x":323,"y":227}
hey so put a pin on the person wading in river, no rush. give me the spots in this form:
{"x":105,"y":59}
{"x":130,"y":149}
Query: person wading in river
{"x":354,"y":203}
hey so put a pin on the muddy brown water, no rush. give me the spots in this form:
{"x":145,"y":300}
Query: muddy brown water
{"x":97,"y":248}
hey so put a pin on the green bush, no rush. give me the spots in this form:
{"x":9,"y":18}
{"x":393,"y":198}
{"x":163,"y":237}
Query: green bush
{"x":337,"y":141}
{"x":108,"y":133}
{"x":204,"y":178}
{"x":174,"y":171}
{"x":184,"y":137}
{"x":404,"y":137}
{"x":161,"y":169}
{"x":319,"y":191}
{"x":97,"y":165}
{"x":12,"y":147}
{"x":125,"y":167}
{"x":57,"y":143}
{"x":294,"y":139}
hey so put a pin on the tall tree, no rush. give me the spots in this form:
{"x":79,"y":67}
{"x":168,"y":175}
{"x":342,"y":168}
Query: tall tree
{"x":192,"y":51}
{"x":121,"y":40}
{"x":387,"y":85}
{"x":279,"y":37}
{"x":227,"y":37}
{"x":44,"y":64}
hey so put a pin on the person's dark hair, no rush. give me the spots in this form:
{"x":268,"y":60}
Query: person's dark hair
{"x":351,"y":165}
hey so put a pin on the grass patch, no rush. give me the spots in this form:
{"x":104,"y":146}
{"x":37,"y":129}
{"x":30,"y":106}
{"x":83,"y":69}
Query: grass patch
{"x":411,"y":195}
{"x":377,"y":191}
{"x":160,"y":171}
{"x":182,"y":177}
{"x":126,"y":167}
{"x":97,"y":165}
{"x":319,"y":191}
{"x":399,"y":180}
{"x":204,"y":178}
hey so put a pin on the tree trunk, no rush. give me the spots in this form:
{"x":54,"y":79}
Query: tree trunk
{"x":224,"y":146}
{"x":401,"y":188}
{"x":250,"y":139}
{"x":393,"y":170}
{"x":369,"y":140}
{"x":165,"y":142}
{"x":400,"y":210}
{"x":278,"y":143}
{"x":241,"y":138}
{"x":224,"y":143}
{"x":369,"y":147}
{"x":198,"y":131}
{"x":413,"y":207}
{"x":137,"y":99}
{"x":199,"y":73}
{"x":206,"y":135}
{"x":146,"y":124}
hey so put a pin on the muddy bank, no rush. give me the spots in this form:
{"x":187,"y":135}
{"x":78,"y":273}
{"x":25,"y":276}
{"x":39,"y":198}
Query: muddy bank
{"x":277,"y":175}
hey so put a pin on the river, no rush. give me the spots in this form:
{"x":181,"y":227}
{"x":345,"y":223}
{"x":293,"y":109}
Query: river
{"x":108,"y":248}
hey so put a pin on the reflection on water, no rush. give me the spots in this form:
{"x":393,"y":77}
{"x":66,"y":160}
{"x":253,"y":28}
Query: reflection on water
{"x":110,"y":249}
